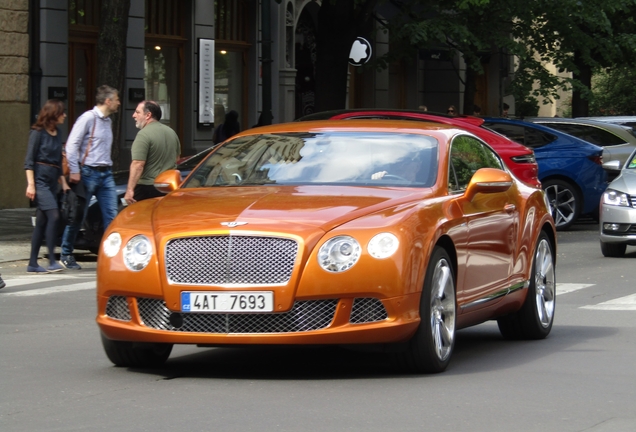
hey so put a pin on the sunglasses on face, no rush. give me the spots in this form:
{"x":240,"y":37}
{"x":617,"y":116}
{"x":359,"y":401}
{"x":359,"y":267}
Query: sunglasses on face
{"x":451,"y":111}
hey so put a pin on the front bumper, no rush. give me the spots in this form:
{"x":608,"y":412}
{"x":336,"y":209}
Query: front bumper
{"x":618,"y":224}
{"x":316,"y":321}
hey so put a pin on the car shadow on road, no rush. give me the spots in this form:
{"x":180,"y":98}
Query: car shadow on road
{"x":477,"y":349}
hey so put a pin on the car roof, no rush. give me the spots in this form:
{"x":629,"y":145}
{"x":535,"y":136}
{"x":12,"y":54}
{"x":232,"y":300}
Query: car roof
{"x":501,"y":143}
{"x":611,"y":119}
{"x":326,"y":115}
{"x":361,"y":125}
{"x":540,"y":127}
{"x":625,"y":132}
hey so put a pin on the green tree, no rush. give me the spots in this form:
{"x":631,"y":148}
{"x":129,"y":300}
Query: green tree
{"x":577,"y":37}
{"x":613,"y":91}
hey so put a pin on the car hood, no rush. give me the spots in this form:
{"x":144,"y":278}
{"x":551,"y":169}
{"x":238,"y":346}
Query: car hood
{"x":626,"y":182}
{"x":273,"y":208}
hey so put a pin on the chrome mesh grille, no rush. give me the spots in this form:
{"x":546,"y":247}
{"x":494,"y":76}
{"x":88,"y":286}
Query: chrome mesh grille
{"x":221,"y":260}
{"x":367,"y":310}
{"x":117,"y":308}
{"x":304,"y":316}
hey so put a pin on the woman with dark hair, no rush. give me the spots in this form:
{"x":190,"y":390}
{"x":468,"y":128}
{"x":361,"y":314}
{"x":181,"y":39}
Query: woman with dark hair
{"x":43,"y":166}
{"x":228,"y":128}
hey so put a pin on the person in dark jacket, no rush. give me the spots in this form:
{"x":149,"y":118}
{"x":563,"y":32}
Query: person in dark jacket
{"x":43,"y":166}
{"x":228,"y":128}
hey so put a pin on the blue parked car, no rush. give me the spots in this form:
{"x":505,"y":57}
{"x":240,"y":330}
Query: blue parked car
{"x":570,"y":169}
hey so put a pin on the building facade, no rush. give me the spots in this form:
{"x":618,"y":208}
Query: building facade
{"x":198,"y":59}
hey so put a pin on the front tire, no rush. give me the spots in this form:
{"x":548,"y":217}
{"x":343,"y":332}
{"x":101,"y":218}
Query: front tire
{"x":534,"y":319}
{"x":613,"y":250}
{"x":129,"y":354}
{"x":565,"y":202}
{"x":430,"y":349}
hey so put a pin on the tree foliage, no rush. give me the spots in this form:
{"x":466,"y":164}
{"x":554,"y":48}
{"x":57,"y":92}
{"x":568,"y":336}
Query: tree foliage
{"x":613,"y":91}
{"x":573,"y":35}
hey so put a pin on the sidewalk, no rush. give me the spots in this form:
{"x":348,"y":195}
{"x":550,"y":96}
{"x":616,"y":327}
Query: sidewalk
{"x":15,"y":244}
{"x":15,"y":234}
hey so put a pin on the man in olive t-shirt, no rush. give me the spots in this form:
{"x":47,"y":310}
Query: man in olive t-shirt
{"x":156,"y":149}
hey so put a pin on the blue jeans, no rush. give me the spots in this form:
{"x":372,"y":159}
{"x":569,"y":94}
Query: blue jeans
{"x":102,"y":185}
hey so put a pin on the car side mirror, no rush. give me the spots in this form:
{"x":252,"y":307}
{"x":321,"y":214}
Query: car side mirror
{"x":488,"y":180}
{"x":168,"y":181}
{"x":612,"y":165}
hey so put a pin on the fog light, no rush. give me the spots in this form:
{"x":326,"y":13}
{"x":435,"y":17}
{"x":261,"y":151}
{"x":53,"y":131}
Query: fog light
{"x":611,"y":227}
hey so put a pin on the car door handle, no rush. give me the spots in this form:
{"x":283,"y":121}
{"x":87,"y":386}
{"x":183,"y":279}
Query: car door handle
{"x":510,"y":208}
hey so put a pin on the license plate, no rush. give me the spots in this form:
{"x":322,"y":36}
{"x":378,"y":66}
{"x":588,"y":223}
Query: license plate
{"x":227,"y":301}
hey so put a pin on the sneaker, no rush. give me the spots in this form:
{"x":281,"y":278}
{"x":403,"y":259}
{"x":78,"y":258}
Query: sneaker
{"x":36,"y":270}
{"x":69,"y":262}
{"x":2,"y":284}
{"x":55,"y":267}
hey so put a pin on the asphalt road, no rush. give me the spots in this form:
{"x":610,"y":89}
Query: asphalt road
{"x":55,"y":376}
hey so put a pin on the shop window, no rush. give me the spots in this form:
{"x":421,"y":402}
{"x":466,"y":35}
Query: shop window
{"x":83,"y":25}
{"x":164,"y":59}
{"x":230,"y":73}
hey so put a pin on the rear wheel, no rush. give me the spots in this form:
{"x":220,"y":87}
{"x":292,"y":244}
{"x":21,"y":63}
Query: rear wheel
{"x":136,"y":354}
{"x":534,"y":319}
{"x":430,"y":349}
{"x":565,"y":202}
{"x":613,"y":250}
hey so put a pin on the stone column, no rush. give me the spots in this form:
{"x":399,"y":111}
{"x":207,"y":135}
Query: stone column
{"x":14,"y":101}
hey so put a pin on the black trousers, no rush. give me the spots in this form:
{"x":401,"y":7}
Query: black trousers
{"x":143,"y":192}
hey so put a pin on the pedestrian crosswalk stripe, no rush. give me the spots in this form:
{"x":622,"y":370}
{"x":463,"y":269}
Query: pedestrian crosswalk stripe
{"x":53,"y":290}
{"x":621,"y":303}
{"x":36,"y":279}
{"x":564,"y":288}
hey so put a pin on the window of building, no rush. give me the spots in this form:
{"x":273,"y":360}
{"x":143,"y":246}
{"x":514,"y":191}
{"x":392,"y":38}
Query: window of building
{"x":164,"y":59}
{"x":230,"y":59}
{"x":83,"y":24}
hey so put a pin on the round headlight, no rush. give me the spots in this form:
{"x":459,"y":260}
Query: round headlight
{"x":339,"y":254}
{"x":383,"y":245}
{"x":112,"y":244}
{"x":137,"y":253}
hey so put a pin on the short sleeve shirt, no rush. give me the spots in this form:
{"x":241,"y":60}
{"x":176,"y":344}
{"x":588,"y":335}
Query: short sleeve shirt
{"x":158,"y":145}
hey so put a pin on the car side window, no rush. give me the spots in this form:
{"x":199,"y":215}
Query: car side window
{"x":591,"y":134}
{"x":467,"y":155}
{"x":527,"y":136}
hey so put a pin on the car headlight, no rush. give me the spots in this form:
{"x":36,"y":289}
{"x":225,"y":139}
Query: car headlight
{"x":137,"y":253}
{"x":112,"y":244}
{"x":339,"y":254}
{"x":383,"y":245}
{"x":612,"y":197}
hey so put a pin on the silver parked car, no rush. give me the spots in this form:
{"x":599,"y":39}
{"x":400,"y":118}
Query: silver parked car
{"x":618,"y":211}
{"x":619,"y":120}
{"x":618,"y":141}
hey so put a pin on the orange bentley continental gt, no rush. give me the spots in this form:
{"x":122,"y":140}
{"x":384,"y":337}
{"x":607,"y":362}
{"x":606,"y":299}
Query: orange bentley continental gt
{"x":367,"y":232}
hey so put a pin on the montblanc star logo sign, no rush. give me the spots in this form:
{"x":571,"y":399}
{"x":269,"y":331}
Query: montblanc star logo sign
{"x":360,"y":52}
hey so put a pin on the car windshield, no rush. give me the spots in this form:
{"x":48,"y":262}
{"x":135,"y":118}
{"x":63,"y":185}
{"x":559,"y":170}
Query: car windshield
{"x":325,"y":158}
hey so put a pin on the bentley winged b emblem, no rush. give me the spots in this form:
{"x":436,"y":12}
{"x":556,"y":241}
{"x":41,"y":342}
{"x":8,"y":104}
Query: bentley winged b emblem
{"x":233,"y":224}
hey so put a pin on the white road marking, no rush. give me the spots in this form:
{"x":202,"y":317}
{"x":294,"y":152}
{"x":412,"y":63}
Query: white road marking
{"x":564,"y":288}
{"x":35,"y":279}
{"x":622,"y":303}
{"x":54,"y":290}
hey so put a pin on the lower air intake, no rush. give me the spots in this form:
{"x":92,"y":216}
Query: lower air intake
{"x":304,"y":316}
